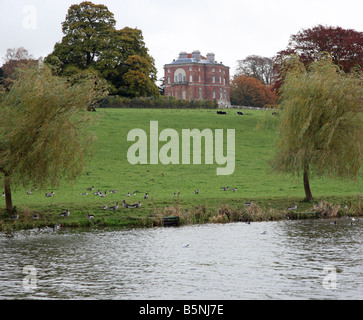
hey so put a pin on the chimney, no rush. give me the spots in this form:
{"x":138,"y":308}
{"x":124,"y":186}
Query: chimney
{"x":183,"y":55}
{"x":211,"y":57}
{"x":196,"y":54}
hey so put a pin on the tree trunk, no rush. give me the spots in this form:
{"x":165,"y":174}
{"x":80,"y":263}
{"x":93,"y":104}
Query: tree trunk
{"x":8,"y":200}
{"x":308,"y":194}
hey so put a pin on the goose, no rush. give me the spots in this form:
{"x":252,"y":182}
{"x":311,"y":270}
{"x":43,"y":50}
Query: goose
{"x":35,"y":216}
{"x":113,"y":191}
{"x":196,"y":191}
{"x":225,"y":188}
{"x":176,"y":193}
{"x":234,"y":189}
{"x":114,"y":207}
{"x":15,"y":217}
{"x":137,"y":205}
{"x":185,"y":245}
{"x":293,"y":208}
{"x":97,"y":193}
{"x":346,"y":207}
{"x":128,"y":194}
{"x":125,"y":204}
{"x":146,"y":196}
{"x":57,"y":226}
{"x":29,"y":192}
{"x":91,"y":188}
{"x":65,"y":214}
{"x":104,"y":207}
{"x":2,"y":195}
{"x":51,"y":194}
{"x":248,"y":204}
{"x":133,"y":194}
{"x":263,"y":232}
{"x":354,"y":219}
{"x":90,"y":216}
{"x":83,"y":194}
{"x":333,"y":222}
{"x":103,"y":194}
{"x":48,"y":229}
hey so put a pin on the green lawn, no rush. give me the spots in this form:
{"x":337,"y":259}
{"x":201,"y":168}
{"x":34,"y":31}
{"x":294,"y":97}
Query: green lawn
{"x":109,"y":169}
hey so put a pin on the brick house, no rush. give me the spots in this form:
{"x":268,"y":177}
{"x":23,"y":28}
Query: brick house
{"x":195,"y":77}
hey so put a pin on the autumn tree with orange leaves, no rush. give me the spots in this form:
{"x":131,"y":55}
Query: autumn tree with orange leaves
{"x":249,"y":91}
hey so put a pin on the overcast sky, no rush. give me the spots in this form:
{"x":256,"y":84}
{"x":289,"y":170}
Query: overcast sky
{"x":232,"y":29}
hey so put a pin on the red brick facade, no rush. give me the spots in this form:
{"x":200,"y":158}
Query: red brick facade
{"x":194,"y":77}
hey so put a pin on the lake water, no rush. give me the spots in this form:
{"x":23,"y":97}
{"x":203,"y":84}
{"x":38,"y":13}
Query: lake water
{"x":263,"y":260}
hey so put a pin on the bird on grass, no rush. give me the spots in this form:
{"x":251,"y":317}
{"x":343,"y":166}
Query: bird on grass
{"x":146,"y":196}
{"x":131,"y":206}
{"x":51,"y":194}
{"x":114,"y":207}
{"x":293,"y":208}
{"x":225,"y":188}
{"x":90,"y":189}
{"x":248,"y":204}
{"x":234,"y":189}
{"x":104,"y":207}
{"x":90,"y":216}
{"x":102,"y":195}
{"x":65,"y":214}
{"x":196,"y":191}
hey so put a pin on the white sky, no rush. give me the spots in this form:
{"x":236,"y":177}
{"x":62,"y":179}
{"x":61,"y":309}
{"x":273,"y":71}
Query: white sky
{"x":232,"y":29}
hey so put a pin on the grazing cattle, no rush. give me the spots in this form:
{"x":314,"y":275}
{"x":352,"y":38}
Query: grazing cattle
{"x":240,"y":113}
{"x":221,"y":112}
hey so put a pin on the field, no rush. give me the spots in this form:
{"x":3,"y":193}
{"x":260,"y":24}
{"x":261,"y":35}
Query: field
{"x":109,"y":169}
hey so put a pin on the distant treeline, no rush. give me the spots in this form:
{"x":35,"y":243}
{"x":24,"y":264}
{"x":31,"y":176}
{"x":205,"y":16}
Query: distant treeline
{"x":156,"y":102}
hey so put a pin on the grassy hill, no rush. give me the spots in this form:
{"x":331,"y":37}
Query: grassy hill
{"x":109,"y":169}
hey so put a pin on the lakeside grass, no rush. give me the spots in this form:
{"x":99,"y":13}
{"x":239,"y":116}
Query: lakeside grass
{"x":109,"y":169}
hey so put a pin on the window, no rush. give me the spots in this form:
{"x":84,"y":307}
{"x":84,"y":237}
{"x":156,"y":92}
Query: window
{"x":220,"y":70}
{"x":168,"y":70}
{"x":213,"y":95}
{"x":190,"y":68}
{"x":168,"y":80}
{"x":180,"y":76}
{"x":200,"y":94}
{"x":220,"y":79}
{"x":224,"y":81}
{"x":213,"y":70}
{"x":200,"y":79}
{"x":221,"y":94}
{"x":213,"y":79}
{"x":190,"y":78}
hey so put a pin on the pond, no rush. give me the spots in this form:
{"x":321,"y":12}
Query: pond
{"x":312,"y":259}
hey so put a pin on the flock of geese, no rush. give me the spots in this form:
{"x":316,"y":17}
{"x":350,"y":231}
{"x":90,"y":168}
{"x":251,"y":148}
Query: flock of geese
{"x":130,"y":206}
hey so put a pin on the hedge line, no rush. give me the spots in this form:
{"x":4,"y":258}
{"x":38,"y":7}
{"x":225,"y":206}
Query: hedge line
{"x":156,"y":102}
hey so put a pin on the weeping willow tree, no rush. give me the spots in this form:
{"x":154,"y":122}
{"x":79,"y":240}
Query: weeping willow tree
{"x":320,"y":130}
{"x":43,"y":129}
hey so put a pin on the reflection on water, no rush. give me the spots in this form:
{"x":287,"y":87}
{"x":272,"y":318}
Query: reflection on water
{"x":231,"y":261}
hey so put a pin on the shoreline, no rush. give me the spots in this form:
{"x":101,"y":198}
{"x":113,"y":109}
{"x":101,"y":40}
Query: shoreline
{"x":214,"y":211}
